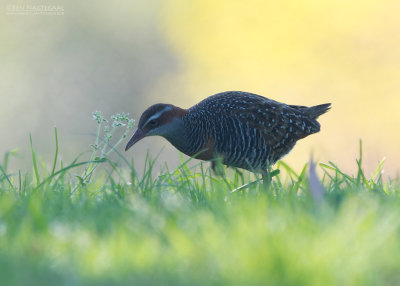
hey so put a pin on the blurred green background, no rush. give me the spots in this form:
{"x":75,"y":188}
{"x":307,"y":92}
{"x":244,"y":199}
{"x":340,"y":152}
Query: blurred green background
{"x":122,"y":56}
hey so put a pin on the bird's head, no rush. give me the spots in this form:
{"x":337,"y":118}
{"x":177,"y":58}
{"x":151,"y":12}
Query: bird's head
{"x":159,"y":119}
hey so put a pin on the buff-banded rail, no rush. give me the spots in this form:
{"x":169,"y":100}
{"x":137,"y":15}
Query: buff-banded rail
{"x":242,"y":129}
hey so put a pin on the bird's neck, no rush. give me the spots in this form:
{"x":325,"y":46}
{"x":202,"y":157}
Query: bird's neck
{"x":177,"y":133}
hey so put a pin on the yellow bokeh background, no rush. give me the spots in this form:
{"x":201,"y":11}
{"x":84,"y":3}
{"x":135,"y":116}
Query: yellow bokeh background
{"x":299,"y":52}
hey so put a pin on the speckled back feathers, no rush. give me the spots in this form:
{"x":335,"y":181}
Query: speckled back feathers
{"x":251,"y":131}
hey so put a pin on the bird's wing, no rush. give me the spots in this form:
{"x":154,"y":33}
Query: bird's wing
{"x":276,"y":121}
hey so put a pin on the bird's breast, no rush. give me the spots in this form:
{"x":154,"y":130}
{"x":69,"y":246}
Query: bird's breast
{"x":207,"y":151}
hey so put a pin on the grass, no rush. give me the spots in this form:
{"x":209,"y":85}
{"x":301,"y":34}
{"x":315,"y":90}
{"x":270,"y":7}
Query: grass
{"x":112,"y":226}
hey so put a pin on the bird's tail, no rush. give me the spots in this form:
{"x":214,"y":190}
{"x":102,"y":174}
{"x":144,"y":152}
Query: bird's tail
{"x":315,"y":111}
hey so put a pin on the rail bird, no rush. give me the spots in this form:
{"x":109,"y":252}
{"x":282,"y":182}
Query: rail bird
{"x":242,"y":129}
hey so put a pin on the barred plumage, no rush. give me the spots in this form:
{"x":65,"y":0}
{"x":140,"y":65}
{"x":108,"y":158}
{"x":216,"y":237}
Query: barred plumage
{"x":246,"y":130}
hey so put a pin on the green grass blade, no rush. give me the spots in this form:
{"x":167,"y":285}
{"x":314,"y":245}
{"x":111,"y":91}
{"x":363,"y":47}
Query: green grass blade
{"x":288,"y":169}
{"x":362,"y":175}
{"x":70,"y":167}
{"x":336,"y":168}
{"x":325,"y":166}
{"x":56,"y":153}
{"x":377,"y":173}
{"x":6,"y":176}
{"x":360,"y":159}
{"x":34,"y":161}
{"x":19,"y":181}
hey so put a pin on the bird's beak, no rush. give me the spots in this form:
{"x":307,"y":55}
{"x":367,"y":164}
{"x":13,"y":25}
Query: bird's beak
{"x":139,"y":134}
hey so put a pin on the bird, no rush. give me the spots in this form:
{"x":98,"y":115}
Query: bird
{"x":241,"y":129}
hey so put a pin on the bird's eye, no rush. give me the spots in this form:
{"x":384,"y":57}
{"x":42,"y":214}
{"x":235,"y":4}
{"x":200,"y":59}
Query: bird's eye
{"x":153,"y":123}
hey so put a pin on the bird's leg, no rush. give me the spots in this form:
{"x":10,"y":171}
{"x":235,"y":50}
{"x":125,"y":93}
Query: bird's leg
{"x":213,"y":166}
{"x":217,"y":166}
{"x":267,"y":177}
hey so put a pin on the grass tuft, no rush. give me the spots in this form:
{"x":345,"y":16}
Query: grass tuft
{"x":113,"y":225}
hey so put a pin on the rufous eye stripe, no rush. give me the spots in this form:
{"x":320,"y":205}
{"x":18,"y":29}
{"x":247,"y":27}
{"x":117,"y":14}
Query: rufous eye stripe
{"x":158,"y":114}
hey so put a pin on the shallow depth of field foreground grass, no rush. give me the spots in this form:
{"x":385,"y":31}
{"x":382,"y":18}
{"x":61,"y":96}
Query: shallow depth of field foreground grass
{"x":186,"y":227}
